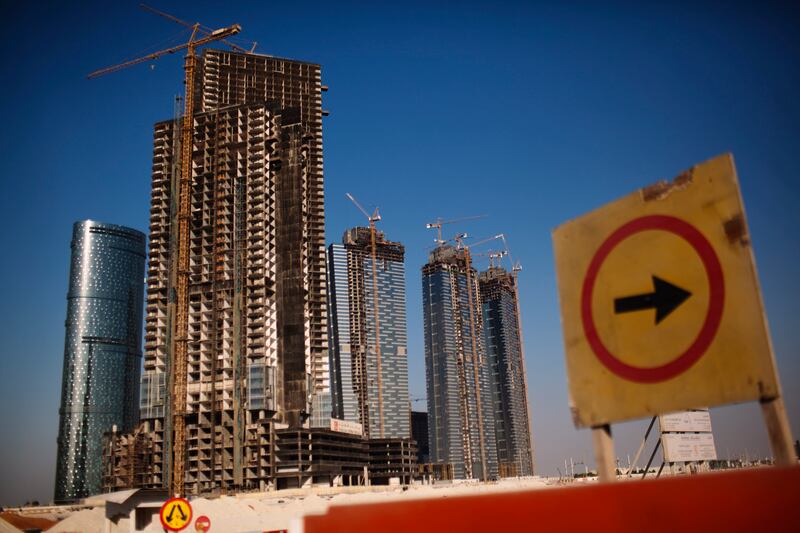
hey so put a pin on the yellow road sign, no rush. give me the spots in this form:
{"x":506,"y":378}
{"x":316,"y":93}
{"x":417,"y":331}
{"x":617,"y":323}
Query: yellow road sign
{"x":660,"y":304}
{"x":176,"y":514}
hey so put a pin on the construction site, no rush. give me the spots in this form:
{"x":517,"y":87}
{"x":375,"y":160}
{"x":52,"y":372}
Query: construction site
{"x":477,"y":390}
{"x":236,"y":389}
{"x":245,"y":342}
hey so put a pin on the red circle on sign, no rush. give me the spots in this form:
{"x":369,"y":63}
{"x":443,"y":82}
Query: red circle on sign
{"x":713,"y":317}
{"x":203,"y":524}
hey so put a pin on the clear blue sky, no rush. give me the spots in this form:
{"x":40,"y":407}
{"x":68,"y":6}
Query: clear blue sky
{"x":530,"y":114}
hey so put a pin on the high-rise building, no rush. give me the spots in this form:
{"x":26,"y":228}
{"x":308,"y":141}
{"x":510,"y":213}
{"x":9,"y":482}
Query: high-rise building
{"x":257,"y":324}
{"x":102,"y":351}
{"x":353,"y":325}
{"x":505,"y":354}
{"x":457,"y":371}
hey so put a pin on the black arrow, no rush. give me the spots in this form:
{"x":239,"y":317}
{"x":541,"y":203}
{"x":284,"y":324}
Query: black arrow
{"x":172,"y":511}
{"x":664,"y":300}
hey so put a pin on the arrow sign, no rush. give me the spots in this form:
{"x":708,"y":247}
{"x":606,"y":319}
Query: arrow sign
{"x":664,"y":299}
{"x":172,"y":512}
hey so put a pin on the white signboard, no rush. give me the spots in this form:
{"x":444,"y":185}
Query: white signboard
{"x":345,"y":426}
{"x":685,"y":447}
{"x":685,"y":421}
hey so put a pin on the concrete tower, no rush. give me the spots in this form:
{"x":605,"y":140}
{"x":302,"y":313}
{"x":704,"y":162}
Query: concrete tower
{"x":257,"y":325}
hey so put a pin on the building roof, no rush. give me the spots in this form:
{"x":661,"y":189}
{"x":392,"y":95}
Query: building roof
{"x":122,"y":496}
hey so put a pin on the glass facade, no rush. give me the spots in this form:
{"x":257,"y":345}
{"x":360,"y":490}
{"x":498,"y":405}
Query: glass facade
{"x":102,"y":351}
{"x":354,"y":362}
{"x":505,"y":355}
{"x":454,"y":349}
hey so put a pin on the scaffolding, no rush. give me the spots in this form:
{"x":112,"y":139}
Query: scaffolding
{"x":256,"y":318}
{"x":127,"y":460}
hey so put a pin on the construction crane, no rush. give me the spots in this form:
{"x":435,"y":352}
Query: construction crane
{"x":179,"y":358}
{"x":204,"y":30}
{"x":373,"y":218}
{"x":495,"y":258}
{"x":439,"y":223}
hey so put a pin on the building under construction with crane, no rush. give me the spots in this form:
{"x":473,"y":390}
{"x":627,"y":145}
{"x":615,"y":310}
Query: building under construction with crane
{"x":256,"y":354}
{"x":236,"y":314}
{"x":367,"y":321}
{"x":461,"y":416}
{"x":506,"y":358}
{"x":235,"y":393}
{"x":478,"y":418}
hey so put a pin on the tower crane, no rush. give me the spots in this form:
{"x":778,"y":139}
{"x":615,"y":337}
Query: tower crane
{"x":440,"y":222}
{"x":373,"y":218}
{"x":204,"y":30}
{"x":495,"y":258}
{"x":200,"y":36}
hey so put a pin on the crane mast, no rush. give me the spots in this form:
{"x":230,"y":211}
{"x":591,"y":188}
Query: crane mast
{"x":374,"y":217}
{"x":181,"y":335}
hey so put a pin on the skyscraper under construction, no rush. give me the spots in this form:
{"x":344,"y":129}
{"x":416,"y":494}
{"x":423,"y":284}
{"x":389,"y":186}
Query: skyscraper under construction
{"x":257,"y":318}
{"x":504,"y":350}
{"x":461,"y":421}
{"x":354,"y":326}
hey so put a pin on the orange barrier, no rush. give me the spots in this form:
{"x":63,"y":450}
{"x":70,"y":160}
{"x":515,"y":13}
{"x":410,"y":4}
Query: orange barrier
{"x":764,"y":499}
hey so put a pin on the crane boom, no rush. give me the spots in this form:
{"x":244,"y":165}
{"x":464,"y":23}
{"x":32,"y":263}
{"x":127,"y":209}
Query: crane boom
{"x":439,"y":223}
{"x":205,"y":30}
{"x":216,"y":35}
{"x":374,"y":217}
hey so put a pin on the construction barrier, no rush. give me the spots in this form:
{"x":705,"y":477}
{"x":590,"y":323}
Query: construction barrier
{"x":763,"y":499}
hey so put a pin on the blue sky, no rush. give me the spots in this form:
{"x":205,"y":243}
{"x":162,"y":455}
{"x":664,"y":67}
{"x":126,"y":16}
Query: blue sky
{"x":529,"y":113}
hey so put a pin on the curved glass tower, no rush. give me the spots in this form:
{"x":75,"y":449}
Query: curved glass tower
{"x":102,"y":351}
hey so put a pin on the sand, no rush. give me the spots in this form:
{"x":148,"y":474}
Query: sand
{"x":276,"y":510}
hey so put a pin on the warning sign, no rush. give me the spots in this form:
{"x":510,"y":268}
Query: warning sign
{"x":176,"y":514}
{"x":660,"y":303}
